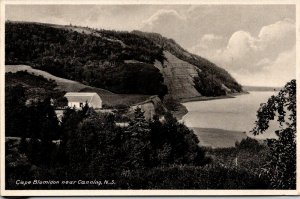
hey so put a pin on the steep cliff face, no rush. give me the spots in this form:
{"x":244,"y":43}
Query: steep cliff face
{"x":188,"y":69}
{"x":178,"y":76}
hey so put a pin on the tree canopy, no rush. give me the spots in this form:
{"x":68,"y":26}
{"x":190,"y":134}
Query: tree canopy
{"x":281,"y":164}
{"x":97,"y":59}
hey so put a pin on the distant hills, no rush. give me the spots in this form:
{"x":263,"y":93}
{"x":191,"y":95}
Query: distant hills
{"x":261,"y":88}
{"x":121,"y":62}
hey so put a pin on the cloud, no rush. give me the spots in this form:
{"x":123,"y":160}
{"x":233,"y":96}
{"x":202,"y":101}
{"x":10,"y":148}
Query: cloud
{"x":186,"y":24}
{"x":243,"y":50}
{"x":245,"y":53}
{"x":277,"y":37}
{"x":275,"y":73}
{"x":118,"y":17}
{"x":208,"y":42}
{"x":161,"y":17}
{"x":241,"y":45}
{"x":167,"y":22}
{"x":210,"y":37}
{"x":263,"y":62}
{"x":238,"y":53}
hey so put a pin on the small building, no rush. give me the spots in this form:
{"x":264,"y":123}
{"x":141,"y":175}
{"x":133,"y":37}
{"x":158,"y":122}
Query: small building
{"x":79,"y":99}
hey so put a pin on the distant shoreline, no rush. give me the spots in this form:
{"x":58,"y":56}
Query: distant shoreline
{"x":204,"y":98}
{"x":261,"y":88}
{"x":182,"y":111}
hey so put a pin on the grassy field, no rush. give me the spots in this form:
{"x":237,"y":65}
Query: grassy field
{"x":218,"y":138}
{"x":113,"y":99}
{"x":63,"y":84}
{"x":109,"y":98}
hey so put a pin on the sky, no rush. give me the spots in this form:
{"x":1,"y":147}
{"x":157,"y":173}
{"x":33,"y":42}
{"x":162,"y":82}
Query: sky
{"x":254,"y":43}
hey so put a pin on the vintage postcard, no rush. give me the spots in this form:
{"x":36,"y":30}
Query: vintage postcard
{"x":115,"y":98}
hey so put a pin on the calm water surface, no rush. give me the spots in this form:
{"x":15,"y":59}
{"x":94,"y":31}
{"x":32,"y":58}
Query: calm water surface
{"x":237,"y":114}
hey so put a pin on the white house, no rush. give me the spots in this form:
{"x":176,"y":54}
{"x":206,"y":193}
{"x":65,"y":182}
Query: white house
{"x":78,"y":100}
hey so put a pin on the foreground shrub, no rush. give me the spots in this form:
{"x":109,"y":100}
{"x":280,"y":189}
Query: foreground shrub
{"x":211,"y":176}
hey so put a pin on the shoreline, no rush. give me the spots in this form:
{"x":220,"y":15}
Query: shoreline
{"x":219,"y":137}
{"x":205,"y":98}
{"x":182,"y":111}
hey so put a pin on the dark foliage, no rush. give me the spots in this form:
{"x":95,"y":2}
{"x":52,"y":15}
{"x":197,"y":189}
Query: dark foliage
{"x":36,"y":88}
{"x":36,"y":121}
{"x":96,"y":59}
{"x":158,"y":154}
{"x":91,"y":146}
{"x":174,"y":143}
{"x":29,"y":106}
{"x":145,"y":155}
{"x":190,"y":177}
{"x":249,"y":154}
{"x":281,"y":163}
{"x":14,"y":110}
{"x":208,"y":84}
{"x":171,"y":104}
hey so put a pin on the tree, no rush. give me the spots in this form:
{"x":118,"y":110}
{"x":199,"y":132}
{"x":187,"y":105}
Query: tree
{"x":208,"y":84}
{"x":14,"y":110}
{"x":90,"y":144}
{"x":137,"y":144}
{"x":174,"y":143}
{"x":281,"y":165}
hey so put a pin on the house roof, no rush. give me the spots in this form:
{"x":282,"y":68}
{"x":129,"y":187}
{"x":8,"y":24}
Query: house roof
{"x":80,"y":97}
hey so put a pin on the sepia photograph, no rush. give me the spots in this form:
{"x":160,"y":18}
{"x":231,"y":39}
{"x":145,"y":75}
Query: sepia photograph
{"x":144,"y":98}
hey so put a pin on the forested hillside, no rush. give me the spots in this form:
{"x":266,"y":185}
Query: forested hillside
{"x":121,"y":62}
{"x":87,"y":58}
